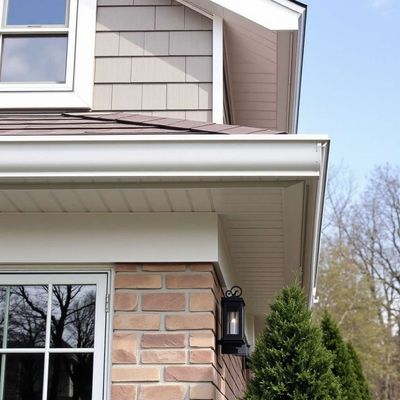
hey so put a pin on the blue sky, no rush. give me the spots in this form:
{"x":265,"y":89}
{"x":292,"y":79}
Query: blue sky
{"x":351,"y":80}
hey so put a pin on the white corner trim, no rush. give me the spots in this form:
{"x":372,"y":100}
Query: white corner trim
{"x":160,"y":155}
{"x":218,"y":70}
{"x":297,"y":49}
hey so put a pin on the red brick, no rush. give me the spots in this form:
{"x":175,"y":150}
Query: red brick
{"x":167,"y":267}
{"x":202,"y":339}
{"x":200,"y":267}
{"x":163,"y":356}
{"x":133,"y":373}
{"x":190,"y":281}
{"x":126,"y":267}
{"x":124,"y":347}
{"x":136,"y":281}
{"x":202,"y":301}
{"x":163,"y":302}
{"x":143,"y":322}
{"x":189,"y":321}
{"x":125,"y":301}
{"x":202,"y":391}
{"x":162,"y":392}
{"x":163,"y":340}
{"x":189,"y":373}
{"x":123,"y":392}
{"x":206,"y":356}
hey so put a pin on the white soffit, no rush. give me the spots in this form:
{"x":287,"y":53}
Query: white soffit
{"x":262,"y":229}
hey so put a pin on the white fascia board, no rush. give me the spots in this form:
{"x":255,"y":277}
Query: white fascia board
{"x":207,"y":155}
{"x":271,"y":14}
{"x":297,"y":67}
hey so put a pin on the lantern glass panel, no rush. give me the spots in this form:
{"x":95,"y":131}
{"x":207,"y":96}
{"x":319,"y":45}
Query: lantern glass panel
{"x":233,"y":322}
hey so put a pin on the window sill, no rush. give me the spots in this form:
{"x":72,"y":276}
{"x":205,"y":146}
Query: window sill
{"x":46,"y":100}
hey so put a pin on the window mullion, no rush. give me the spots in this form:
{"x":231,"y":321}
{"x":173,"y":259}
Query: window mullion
{"x":44,"y":30}
{"x":47,"y":343}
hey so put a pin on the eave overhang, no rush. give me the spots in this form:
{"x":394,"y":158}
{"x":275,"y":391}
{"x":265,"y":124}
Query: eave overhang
{"x":228,"y":167}
{"x":270,"y":14}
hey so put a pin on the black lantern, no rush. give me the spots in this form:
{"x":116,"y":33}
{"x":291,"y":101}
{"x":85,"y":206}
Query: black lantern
{"x":233,"y":333}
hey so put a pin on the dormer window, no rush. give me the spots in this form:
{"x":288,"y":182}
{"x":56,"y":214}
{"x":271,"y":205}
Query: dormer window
{"x":47,"y":53}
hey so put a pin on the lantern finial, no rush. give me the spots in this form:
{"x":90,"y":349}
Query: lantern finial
{"x":234,"y":291}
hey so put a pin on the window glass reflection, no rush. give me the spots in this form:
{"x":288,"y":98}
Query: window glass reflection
{"x":36,"y":12}
{"x":2,"y":312}
{"x":72,"y":316}
{"x":70,"y":376}
{"x":40,"y":59}
{"x":23,"y":376}
{"x":27,"y":316}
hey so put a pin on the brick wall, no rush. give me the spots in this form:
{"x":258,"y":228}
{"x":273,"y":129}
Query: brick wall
{"x":164,"y":342}
{"x":153,"y":56}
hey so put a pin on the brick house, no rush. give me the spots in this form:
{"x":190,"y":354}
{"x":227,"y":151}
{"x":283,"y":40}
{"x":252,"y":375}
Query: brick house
{"x":148,"y":161}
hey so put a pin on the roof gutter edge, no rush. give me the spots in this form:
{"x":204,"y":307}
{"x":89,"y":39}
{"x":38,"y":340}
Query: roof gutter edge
{"x":155,"y":156}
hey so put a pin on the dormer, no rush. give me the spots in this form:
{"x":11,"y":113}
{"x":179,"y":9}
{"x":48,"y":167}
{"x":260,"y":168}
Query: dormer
{"x":224,"y":61}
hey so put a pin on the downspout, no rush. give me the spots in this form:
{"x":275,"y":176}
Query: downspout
{"x":318,"y":222}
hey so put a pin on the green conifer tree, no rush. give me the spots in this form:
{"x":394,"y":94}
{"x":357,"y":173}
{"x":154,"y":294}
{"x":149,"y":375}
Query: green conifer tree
{"x":342,"y":363}
{"x":362,"y":383}
{"x":290,"y":360}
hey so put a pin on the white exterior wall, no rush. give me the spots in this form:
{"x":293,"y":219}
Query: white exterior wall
{"x":153,"y":56}
{"x":107,"y":238}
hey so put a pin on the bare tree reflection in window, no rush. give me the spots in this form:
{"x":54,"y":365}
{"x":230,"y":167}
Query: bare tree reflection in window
{"x":72,"y":326}
{"x":27,"y":316}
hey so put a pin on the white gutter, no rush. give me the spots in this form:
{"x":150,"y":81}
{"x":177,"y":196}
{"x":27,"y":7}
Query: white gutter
{"x":111,"y":156}
{"x":318,"y":222}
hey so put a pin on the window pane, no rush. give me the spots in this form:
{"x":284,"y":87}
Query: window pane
{"x":70,"y":376}
{"x":23,"y":376}
{"x":72,"y":316}
{"x":27,"y":316}
{"x":36,"y":12}
{"x":2,"y":312}
{"x":34,"y":59}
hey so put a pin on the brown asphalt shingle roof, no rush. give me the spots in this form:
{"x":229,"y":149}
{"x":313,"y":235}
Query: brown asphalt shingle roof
{"x":113,"y":124}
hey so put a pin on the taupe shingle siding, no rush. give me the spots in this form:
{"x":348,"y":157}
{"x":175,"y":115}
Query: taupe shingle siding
{"x":153,"y":56}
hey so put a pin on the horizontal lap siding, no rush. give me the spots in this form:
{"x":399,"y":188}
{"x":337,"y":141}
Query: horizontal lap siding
{"x":154,"y":57}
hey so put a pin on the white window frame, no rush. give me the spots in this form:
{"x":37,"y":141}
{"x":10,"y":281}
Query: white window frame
{"x":101,"y":280}
{"x":77,"y":91}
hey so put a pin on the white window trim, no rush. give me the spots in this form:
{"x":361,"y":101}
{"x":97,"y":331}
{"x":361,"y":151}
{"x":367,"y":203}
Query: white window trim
{"x":218,"y":70}
{"x":102,"y":281}
{"x":77,"y":92}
